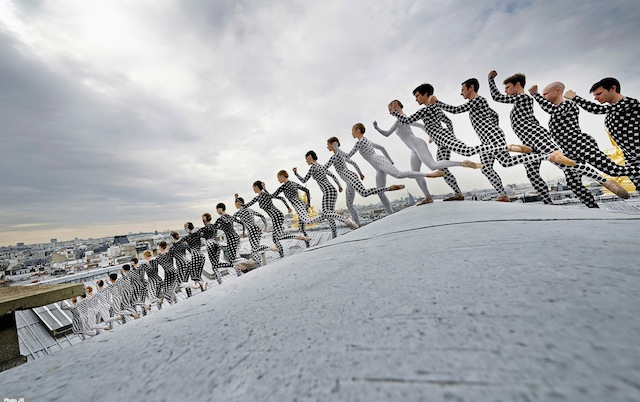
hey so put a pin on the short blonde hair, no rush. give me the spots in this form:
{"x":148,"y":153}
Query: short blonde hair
{"x":360,"y":127}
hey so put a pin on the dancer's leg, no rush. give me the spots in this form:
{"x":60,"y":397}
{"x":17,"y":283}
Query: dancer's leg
{"x":381,"y":182}
{"x":416,"y":164}
{"x":487,"y":170}
{"x":445,"y":154}
{"x":350,"y":195}
{"x":422,"y":151}
{"x":533,"y":173}
{"x":574,"y":181}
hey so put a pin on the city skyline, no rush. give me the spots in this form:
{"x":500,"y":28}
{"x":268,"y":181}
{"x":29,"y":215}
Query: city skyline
{"x":120,"y":116}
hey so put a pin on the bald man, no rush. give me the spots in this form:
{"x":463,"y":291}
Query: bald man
{"x":622,"y":120}
{"x":528,"y":129}
{"x":581,"y":147}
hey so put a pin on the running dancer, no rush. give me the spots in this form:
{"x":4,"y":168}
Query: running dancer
{"x":247,"y":217}
{"x":125,"y":286}
{"x":79,"y":314}
{"x":225,"y":223}
{"x":622,"y":119}
{"x":485,"y":122}
{"x":165,"y":259}
{"x":529,"y":130}
{"x":100,"y":307}
{"x":196,"y":265}
{"x":382,"y":164}
{"x":444,"y":138}
{"x":179,"y":249}
{"x":140,"y":285}
{"x":290,"y":190}
{"x":104,"y":306}
{"x":265,"y":201}
{"x":209,"y":233}
{"x":339,"y":160}
{"x":329,"y":193}
{"x":113,"y":293}
{"x":564,"y":127}
{"x":156,"y":285}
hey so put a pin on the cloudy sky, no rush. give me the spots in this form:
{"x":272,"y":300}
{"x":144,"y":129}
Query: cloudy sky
{"x":124,"y":116}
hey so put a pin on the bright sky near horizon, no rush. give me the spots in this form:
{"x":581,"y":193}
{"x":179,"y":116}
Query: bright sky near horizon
{"x":124,"y":116}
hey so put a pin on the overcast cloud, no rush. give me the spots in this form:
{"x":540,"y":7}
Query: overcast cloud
{"x":124,"y":116}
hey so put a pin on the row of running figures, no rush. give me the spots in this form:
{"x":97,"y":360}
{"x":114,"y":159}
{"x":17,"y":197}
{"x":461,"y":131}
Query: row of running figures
{"x":44,"y":330}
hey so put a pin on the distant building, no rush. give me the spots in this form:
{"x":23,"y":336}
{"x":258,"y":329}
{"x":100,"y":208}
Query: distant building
{"x":54,"y":241}
{"x":19,"y":244}
{"x":120,"y":240}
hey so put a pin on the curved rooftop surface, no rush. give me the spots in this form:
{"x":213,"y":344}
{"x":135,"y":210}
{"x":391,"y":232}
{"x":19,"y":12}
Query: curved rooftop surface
{"x":458,"y":301}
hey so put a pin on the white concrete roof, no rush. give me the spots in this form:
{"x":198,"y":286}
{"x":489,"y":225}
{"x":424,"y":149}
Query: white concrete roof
{"x":455,"y":301}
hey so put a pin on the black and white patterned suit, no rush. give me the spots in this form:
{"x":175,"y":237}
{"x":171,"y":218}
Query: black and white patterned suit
{"x":180,"y":255}
{"x":623,"y":123}
{"x":139,"y":287}
{"x":290,"y":190}
{"x":265,"y":202}
{"x":339,"y":160}
{"x":564,"y":126}
{"x":329,"y":194}
{"x":170,"y":274}
{"x":155,"y":281}
{"x":192,"y":240}
{"x":531,"y":133}
{"x":225,"y":223}
{"x":247,"y":217}
{"x":209,"y":232}
{"x":485,"y":122}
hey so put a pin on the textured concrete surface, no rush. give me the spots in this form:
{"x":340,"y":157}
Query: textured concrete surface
{"x":462,"y":301}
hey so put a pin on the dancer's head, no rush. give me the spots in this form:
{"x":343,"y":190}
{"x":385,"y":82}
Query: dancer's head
{"x":221,"y":208}
{"x":175,"y":235}
{"x":258,"y":186}
{"x":188,"y":227}
{"x":470,"y":88}
{"x":147,"y":254}
{"x":113,"y":277}
{"x":393,"y":103}
{"x":126,"y":268}
{"x":606,"y":90}
{"x":88,"y":290}
{"x":422,"y":93}
{"x":239,"y":202}
{"x":100,"y":283}
{"x":206,"y":218}
{"x":330,"y":142}
{"x":162,"y":245}
{"x":134,"y":261}
{"x":553,"y":92}
{"x":515,"y":84}
{"x":283,"y":176}
{"x":357,"y":131}
{"x":310,"y":157}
